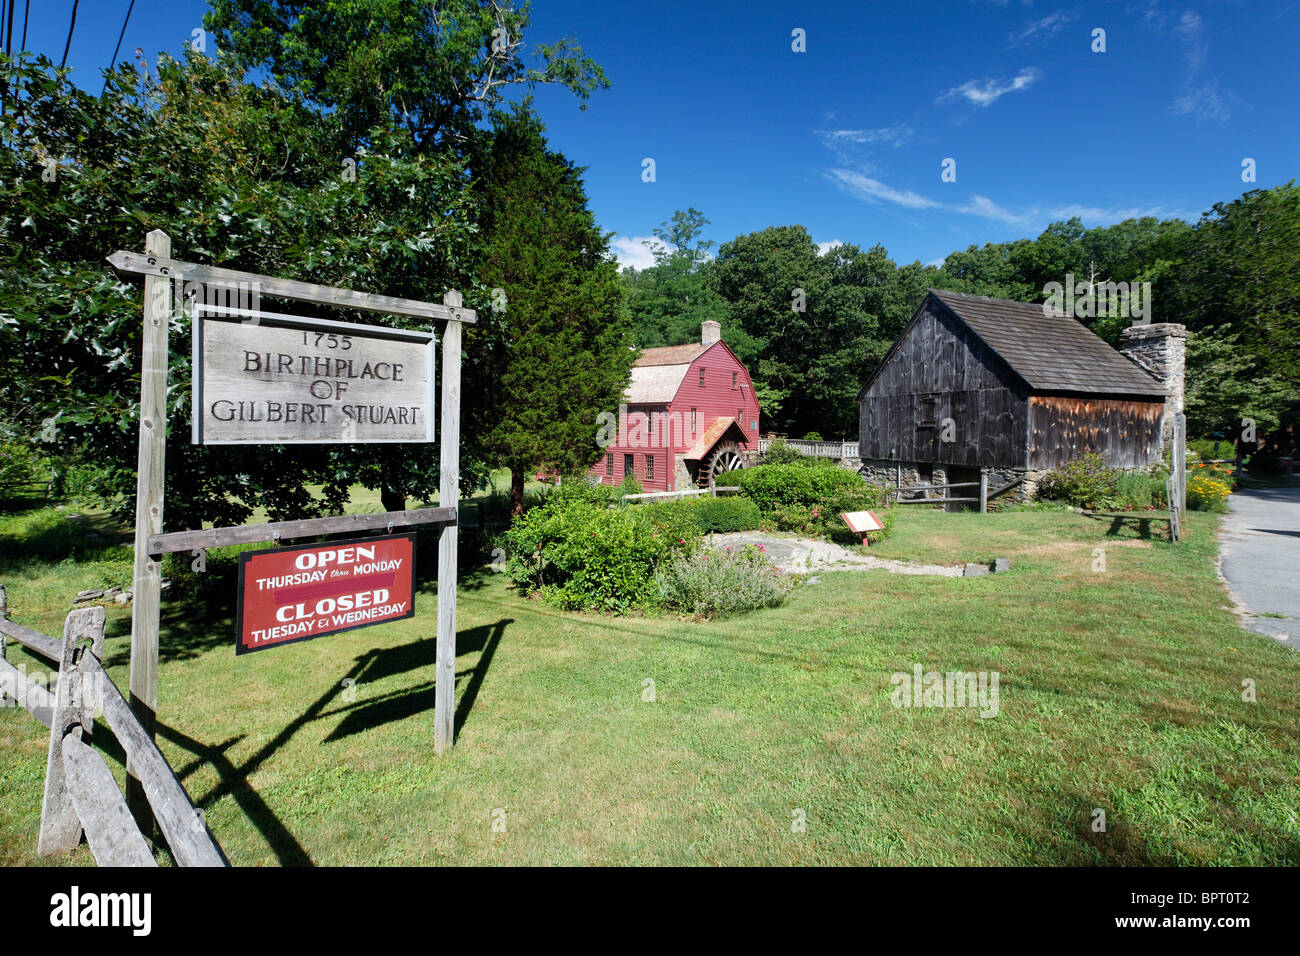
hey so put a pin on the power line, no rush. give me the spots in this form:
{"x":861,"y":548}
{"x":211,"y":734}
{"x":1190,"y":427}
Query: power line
{"x":27,"y":8}
{"x":113,"y":62}
{"x":71,"y":26}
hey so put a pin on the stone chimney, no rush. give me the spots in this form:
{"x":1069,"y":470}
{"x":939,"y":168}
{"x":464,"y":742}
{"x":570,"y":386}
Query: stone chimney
{"x":1161,"y":349}
{"x":710,"y":332}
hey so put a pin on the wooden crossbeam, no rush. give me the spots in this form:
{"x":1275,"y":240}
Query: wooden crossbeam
{"x":31,"y":696}
{"x":144,"y":264}
{"x":110,"y":830}
{"x":48,"y":647}
{"x":191,"y":842}
{"x":291,"y":530}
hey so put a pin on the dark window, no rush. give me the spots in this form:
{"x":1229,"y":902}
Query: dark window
{"x":734,"y":375}
{"x":649,"y":467}
{"x":629,"y":466}
{"x":692,"y":423}
{"x":740,"y":417}
{"x":701,"y":375}
{"x":650,"y":424}
{"x":609,"y":464}
{"x":927,"y":412}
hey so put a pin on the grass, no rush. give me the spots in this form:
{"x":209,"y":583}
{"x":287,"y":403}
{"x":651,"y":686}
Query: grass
{"x":1119,"y":690}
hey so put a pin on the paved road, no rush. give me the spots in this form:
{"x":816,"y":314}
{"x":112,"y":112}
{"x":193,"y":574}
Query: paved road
{"x":1260,"y":544}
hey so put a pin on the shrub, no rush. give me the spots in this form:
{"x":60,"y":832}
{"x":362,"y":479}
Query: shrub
{"x":628,"y":486}
{"x":1086,"y":482}
{"x":780,"y":453}
{"x":727,"y":514}
{"x":718,"y":583}
{"x":1139,"y":489}
{"x":21,"y":462}
{"x":823,"y":519}
{"x":773,"y":486}
{"x":578,"y":552}
{"x":1207,"y":494}
{"x":813,"y":436}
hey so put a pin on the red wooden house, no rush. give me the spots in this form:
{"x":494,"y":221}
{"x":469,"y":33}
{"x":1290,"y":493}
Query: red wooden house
{"x":688,"y":415}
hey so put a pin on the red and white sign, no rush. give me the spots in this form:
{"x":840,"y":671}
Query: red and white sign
{"x":297,"y":593}
{"x":860,"y":522}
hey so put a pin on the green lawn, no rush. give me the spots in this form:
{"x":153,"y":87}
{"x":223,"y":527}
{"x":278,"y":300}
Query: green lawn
{"x":1119,"y":690}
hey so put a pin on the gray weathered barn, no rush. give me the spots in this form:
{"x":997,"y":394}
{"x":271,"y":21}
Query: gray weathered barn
{"x":975,"y":383}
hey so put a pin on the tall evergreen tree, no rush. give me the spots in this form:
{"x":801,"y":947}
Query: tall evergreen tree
{"x":557,"y":354}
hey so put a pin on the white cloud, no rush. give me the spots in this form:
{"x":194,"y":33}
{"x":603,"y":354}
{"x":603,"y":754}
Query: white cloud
{"x":988,"y":209}
{"x":1029,"y":218}
{"x":1108,"y":216}
{"x":885,"y":136}
{"x":1201,"y":97}
{"x":988,"y":91}
{"x":938,"y":263}
{"x":1191,"y":33}
{"x":632,"y":251}
{"x":825,"y":247}
{"x":864,"y":187}
{"x":1044,"y":29}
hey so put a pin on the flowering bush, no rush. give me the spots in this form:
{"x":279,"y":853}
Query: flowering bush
{"x":1207,"y":494}
{"x":720,"y":583}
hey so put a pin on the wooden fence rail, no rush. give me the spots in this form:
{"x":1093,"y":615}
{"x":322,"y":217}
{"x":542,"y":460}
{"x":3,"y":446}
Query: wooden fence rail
{"x":982,"y":500}
{"x":81,"y":794}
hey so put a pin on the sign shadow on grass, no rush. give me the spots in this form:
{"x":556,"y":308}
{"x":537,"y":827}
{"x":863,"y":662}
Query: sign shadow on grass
{"x":387,"y":662}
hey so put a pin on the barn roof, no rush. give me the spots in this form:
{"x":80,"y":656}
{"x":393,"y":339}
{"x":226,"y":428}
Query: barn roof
{"x":1051,"y":351}
{"x":658,"y":373}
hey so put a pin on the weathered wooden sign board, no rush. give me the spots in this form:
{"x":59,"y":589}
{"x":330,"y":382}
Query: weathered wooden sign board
{"x":371,"y":381}
{"x":259,"y":383}
{"x":861,"y":522}
{"x":299,"y":593}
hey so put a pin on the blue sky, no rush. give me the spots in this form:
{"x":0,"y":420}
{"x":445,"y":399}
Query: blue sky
{"x":849,"y":137}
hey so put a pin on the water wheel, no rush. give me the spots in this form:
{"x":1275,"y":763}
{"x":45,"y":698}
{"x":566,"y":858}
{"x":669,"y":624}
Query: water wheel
{"x":725,"y":457}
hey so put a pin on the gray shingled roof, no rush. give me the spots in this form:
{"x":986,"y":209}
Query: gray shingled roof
{"x":1051,"y":351}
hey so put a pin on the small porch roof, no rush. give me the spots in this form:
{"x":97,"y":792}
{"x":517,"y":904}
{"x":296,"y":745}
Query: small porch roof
{"x":718,"y":430}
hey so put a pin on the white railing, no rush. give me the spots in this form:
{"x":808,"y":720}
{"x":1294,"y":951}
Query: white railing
{"x":684,"y":493}
{"x":815,"y":449}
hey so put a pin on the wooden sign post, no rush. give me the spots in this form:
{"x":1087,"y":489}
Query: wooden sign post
{"x":448,"y":493}
{"x":146,"y":581}
{"x":265,"y":381}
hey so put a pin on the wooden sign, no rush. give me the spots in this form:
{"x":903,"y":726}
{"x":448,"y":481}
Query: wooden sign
{"x":266,"y":384}
{"x":295,"y":594}
{"x":860,"y":522}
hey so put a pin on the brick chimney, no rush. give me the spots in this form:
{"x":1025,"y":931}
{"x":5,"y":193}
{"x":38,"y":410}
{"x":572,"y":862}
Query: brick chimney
{"x":710,"y":332}
{"x":1161,"y":349}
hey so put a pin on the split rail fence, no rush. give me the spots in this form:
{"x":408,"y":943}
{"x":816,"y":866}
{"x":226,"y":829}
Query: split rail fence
{"x":982,"y":499}
{"x":81,"y":794}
